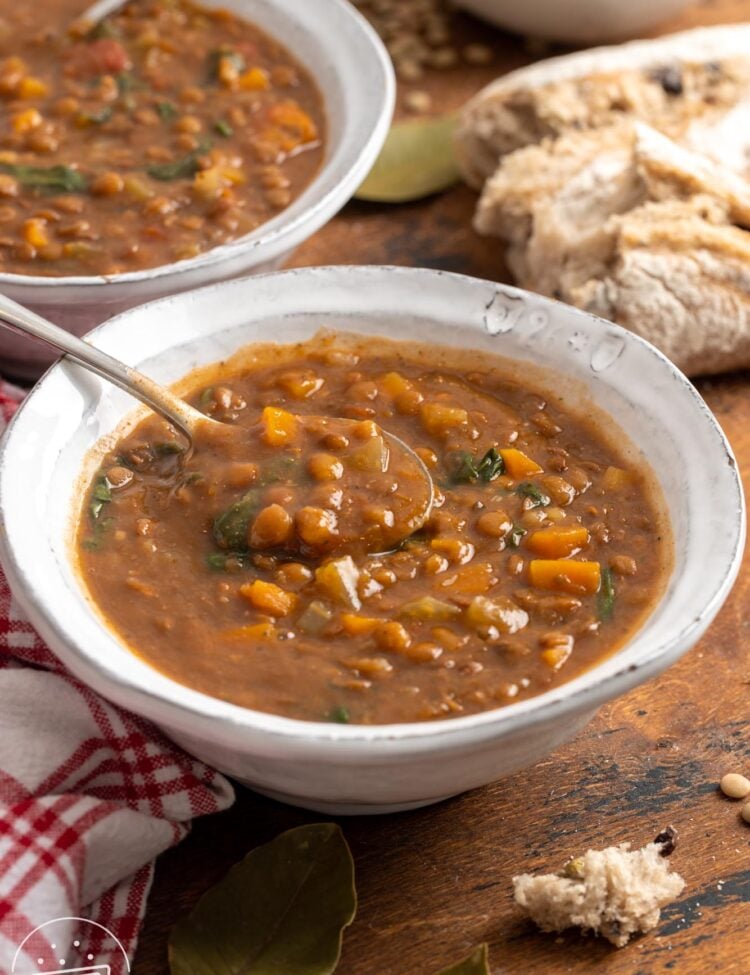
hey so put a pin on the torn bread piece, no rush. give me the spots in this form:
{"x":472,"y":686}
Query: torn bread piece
{"x":616,"y":892}
{"x":684,"y":85}
{"x":625,"y":223}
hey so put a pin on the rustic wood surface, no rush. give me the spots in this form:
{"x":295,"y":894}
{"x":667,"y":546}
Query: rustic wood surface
{"x":434,"y":883}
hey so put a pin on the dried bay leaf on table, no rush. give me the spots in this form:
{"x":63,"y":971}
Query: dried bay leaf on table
{"x":476,"y":964}
{"x":280,"y":911}
{"x":417,"y":160}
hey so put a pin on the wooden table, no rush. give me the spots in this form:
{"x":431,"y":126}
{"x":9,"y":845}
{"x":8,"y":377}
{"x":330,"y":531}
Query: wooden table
{"x":436,"y":882}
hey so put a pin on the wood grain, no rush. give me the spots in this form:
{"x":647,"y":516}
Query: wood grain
{"x":434,"y":883}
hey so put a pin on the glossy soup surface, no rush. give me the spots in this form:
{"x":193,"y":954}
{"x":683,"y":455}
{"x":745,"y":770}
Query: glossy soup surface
{"x":155,"y":135}
{"x":544,"y":551}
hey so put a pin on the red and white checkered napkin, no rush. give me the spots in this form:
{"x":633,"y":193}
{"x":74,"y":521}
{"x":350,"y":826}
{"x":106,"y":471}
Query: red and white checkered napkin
{"x":89,"y":796}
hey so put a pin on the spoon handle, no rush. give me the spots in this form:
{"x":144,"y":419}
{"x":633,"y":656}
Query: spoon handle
{"x":98,"y":11}
{"x":20,"y":319}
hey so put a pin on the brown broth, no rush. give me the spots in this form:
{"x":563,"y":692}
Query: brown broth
{"x":467,"y":615}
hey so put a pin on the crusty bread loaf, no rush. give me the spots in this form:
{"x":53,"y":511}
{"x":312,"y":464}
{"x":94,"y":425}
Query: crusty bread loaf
{"x":641,"y":222}
{"x":555,"y":95}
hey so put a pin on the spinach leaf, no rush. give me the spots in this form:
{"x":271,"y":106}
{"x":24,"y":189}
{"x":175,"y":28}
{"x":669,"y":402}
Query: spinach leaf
{"x":224,"y":128}
{"x":95,"y":541}
{"x":55,"y":178}
{"x":282,"y":909}
{"x":491,"y":465}
{"x":486,"y":469}
{"x":230,"y":527}
{"x":168,"y":447}
{"x":476,"y":964}
{"x":166,"y":111}
{"x":529,"y":490}
{"x":279,"y":469}
{"x":339,"y":715}
{"x":181,"y":168}
{"x":465,"y":470}
{"x":606,"y":598}
{"x":515,"y":535}
{"x":100,"y":495}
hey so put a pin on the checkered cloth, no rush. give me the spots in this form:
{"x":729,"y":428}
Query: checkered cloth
{"x":89,"y":796}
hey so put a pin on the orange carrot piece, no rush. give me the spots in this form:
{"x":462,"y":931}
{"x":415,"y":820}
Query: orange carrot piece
{"x":518,"y":465}
{"x":268,"y":598}
{"x":558,"y":542}
{"x":279,"y":426}
{"x":565,"y":575}
{"x":356,"y":625}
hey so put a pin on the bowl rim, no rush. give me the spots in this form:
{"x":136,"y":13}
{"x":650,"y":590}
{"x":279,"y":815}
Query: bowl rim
{"x":350,"y":171}
{"x":544,"y":708}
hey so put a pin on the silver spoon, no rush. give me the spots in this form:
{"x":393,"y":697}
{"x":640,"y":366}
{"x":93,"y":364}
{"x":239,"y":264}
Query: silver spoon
{"x":188,"y":420}
{"x":100,"y":10}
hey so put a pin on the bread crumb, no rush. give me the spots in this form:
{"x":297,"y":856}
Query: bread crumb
{"x":616,"y":892}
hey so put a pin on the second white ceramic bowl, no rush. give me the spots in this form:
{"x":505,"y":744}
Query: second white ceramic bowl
{"x":355,"y":76}
{"x":339,"y":768}
{"x":576,"y":21}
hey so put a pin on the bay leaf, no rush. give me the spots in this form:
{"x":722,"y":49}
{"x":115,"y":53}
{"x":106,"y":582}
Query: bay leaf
{"x":417,"y":160}
{"x":476,"y":964}
{"x":280,"y":911}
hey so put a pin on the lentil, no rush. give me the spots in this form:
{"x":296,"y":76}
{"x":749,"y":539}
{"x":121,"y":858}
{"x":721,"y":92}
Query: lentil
{"x":735,"y":786}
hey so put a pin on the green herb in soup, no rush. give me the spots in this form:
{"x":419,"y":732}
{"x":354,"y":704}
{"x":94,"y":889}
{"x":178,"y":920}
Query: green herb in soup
{"x":544,"y":550}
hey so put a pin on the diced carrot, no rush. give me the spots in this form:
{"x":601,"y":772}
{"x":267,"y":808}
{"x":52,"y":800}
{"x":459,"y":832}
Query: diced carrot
{"x":456,"y":550}
{"x":35,"y":232}
{"x":555,"y":657}
{"x":268,"y":598}
{"x":279,"y":426}
{"x":565,"y":575}
{"x":394,"y":383}
{"x":295,"y":120}
{"x":26,"y":120}
{"x":558,"y":542}
{"x":439,"y":417}
{"x":300,"y":383}
{"x":518,"y":465}
{"x":256,"y":79}
{"x":616,"y":479}
{"x":357,"y":625}
{"x":256,"y":631}
{"x":32,"y":88}
{"x":471,"y":580}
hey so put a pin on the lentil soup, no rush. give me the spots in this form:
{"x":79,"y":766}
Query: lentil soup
{"x":159,"y":133}
{"x":545,"y":550}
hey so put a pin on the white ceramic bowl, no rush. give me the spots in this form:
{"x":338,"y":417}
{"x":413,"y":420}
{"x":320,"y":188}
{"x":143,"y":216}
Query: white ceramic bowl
{"x":355,"y":76}
{"x":339,"y":768}
{"x":576,"y":21}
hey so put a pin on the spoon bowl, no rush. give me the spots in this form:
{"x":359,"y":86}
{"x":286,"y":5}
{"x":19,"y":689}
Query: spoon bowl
{"x":379,"y":491}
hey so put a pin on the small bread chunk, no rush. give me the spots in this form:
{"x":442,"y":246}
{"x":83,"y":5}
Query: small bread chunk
{"x":616,"y":892}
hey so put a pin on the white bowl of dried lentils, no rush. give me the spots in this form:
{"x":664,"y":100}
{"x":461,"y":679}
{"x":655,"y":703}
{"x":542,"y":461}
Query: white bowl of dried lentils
{"x":173,"y":145}
{"x":576,"y":21}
